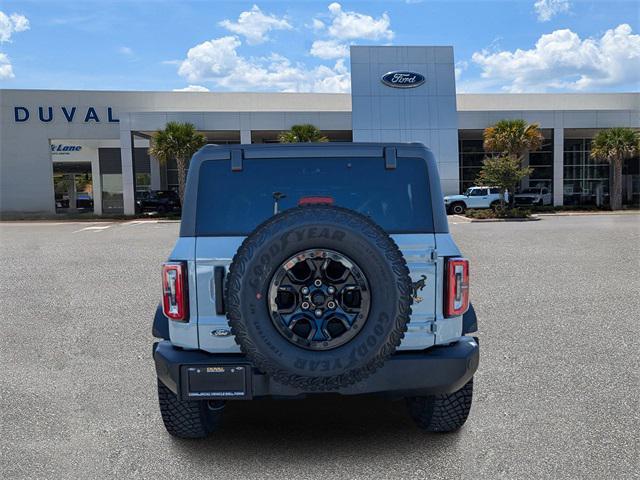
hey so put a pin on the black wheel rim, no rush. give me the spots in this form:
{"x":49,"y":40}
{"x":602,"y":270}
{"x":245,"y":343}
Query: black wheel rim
{"x":319,"y":299}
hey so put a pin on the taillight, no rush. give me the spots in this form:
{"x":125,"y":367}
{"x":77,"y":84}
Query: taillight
{"x":457,"y":284}
{"x":175,"y":298}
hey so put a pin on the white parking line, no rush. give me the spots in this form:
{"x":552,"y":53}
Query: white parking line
{"x":38,"y":224}
{"x":138,"y":222}
{"x":93,"y":228}
{"x":458,"y":219}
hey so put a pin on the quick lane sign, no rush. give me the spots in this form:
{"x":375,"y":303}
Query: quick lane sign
{"x":62,"y":149}
{"x":47,"y":114}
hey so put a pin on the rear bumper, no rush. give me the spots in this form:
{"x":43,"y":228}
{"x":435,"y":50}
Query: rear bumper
{"x":442,"y":369}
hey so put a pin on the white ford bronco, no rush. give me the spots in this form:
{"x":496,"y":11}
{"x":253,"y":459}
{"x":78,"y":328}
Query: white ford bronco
{"x":310,"y":269}
{"x":474,"y":197}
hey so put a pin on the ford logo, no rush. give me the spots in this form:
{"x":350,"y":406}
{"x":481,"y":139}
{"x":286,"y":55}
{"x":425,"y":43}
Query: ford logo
{"x":221,"y":332}
{"x":401,"y":79}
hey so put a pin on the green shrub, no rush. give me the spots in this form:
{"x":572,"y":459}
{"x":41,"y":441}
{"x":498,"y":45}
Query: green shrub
{"x":507,"y":213}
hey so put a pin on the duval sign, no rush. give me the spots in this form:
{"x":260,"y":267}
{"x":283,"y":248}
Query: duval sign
{"x":403,"y":79}
{"x":69,"y":114}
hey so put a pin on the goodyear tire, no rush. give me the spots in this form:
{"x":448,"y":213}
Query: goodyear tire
{"x":188,"y":419}
{"x":314,"y":366}
{"x":442,"y":413}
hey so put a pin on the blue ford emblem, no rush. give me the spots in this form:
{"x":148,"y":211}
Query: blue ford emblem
{"x":401,"y":79}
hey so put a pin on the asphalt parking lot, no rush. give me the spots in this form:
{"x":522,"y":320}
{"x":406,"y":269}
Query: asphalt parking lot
{"x":556,"y":395}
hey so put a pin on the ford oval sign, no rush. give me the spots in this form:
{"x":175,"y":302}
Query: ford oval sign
{"x":403,"y":79}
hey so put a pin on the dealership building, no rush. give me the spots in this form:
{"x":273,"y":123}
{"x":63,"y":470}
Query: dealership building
{"x":61,"y":151}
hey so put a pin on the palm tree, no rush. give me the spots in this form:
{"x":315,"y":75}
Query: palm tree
{"x":614,"y":146}
{"x":513,"y":138}
{"x":177,"y":141}
{"x":301,"y":134}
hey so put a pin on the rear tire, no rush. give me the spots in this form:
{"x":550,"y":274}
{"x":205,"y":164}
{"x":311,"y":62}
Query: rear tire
{"x":458,"y":208}
{"x":497,"y":207}
{"x":442,"y":413}
{"x":188,"y":419}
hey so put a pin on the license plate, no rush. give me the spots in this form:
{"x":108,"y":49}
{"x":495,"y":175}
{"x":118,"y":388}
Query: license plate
{"x":217,"y":381}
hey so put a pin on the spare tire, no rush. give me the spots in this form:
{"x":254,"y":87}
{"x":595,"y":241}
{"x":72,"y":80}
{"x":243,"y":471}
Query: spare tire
{"x":318,"y":297}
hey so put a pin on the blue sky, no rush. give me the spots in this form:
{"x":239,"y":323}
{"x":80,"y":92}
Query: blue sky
{"x":512,"y":46}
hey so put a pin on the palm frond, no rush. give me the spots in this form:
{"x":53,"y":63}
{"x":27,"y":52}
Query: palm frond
{"x":301,"y":134}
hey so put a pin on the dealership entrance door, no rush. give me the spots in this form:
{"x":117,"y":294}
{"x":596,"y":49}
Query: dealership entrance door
{"x":73,"y":187}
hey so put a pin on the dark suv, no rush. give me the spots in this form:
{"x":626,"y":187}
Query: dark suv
{"x":161,"y":201}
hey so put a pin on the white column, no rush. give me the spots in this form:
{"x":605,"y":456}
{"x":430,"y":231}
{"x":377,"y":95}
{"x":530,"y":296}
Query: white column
{"x":126,"y":157}
{"x":96,"y":182}
{"x":155,"y":173}
{"x":558,"y":166}
{"x":245,"y":136}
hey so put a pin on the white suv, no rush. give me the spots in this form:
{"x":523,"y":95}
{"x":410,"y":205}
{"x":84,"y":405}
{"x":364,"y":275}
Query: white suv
{"x":533,"y":196}
{"x":474,"y":197}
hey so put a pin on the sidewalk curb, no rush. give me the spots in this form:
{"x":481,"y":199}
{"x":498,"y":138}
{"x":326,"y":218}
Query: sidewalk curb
{"x":577,"y":214}
{"x":490,"y":220}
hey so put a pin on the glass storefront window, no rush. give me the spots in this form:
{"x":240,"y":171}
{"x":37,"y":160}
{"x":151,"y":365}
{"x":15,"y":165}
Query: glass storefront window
{"x":73,"y":187}
{"x":472,"y":154}
{"x":542,"y":163}
{"x":172,"y":179}
{"x":112,"y":200}
{"x":143,"y":182}
{"x":586,"y":181}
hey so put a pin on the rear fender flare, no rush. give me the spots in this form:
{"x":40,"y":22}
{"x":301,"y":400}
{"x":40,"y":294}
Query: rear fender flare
{"x":469,"y":321}
{"x":160,"y":327}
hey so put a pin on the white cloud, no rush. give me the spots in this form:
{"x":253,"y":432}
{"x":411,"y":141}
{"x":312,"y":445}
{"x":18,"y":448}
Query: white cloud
{"x":561,"y":60}
{"x":10,"y":24}
{"x":317,"y":25}
{"x":192,"y":88}
{"x":254,"y":25}
{"x":547,"y":9}
{"x":125,"y":51}
{"x":210,"y":59}
{"x":345,"y":26}
{"x":218,"y":61}
{"x":353,"y":25}
{"x":329,"y":49}
{"x":6,"y":70}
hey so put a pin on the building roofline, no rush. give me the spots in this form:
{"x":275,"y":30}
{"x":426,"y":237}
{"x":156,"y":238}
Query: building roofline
{"x":547,"y":101}
{"x":341,"y":102}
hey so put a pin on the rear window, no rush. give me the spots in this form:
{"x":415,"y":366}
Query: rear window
{"x":234,"y":203}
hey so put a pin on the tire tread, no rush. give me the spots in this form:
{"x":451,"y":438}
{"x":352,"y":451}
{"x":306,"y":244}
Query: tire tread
{"x":442,"y":413}
{"x":186,"y":419}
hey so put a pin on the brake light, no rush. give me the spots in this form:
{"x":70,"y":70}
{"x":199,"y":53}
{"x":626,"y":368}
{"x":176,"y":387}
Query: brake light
{"x":457,"y":284}
{"x":316,"y":201}
{"x":175,"y":299}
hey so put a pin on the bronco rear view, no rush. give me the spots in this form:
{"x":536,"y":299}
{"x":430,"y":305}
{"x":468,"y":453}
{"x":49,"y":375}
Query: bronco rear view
{"x":309,"y":269}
